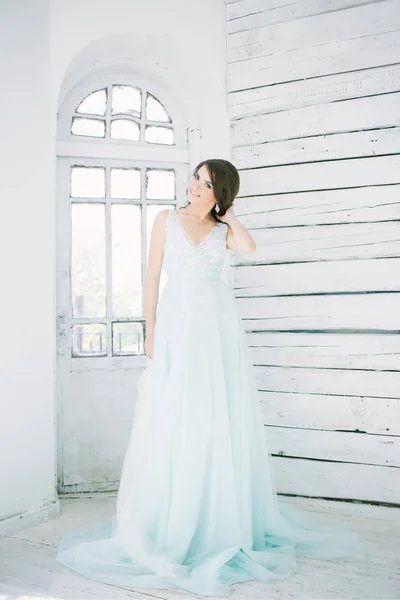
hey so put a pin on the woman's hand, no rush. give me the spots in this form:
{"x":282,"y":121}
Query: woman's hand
{"x":228,"y":216}
{"x":148,"y":345}
{"x":238,"y":238}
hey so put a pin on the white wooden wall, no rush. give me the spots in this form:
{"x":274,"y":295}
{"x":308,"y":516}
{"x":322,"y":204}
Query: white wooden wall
{"x":314,"y":101}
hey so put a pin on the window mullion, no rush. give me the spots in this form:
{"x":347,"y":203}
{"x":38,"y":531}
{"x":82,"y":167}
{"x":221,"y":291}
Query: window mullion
{"x":108,"y":242}
{"x":143,"y":117}
{"x":108,"y":112}
{"x":144,"y":231}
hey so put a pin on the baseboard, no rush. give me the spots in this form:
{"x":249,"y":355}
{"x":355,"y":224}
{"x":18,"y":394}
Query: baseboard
{"x":17,"y":523}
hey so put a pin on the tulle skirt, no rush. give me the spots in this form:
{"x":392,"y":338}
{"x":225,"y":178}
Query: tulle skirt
{"x":197,"y":507}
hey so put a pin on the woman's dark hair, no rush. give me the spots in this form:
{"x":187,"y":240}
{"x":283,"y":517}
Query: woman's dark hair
{"x":225,"y":180}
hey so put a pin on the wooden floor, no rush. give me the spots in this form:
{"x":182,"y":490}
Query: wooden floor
{"x":28,"y":568}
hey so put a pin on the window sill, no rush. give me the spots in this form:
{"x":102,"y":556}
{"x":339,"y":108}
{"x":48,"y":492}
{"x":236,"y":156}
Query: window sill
{"x":110,"y":363}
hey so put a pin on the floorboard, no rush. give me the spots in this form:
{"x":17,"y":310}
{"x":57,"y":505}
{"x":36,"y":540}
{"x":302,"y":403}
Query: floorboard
{"x":28,"y":569}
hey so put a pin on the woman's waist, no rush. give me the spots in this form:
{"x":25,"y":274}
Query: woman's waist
{"x":183,"y":283}
{"x":194,"y":275}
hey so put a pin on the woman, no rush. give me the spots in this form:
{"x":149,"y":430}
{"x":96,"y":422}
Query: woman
{"x":196,"y":507}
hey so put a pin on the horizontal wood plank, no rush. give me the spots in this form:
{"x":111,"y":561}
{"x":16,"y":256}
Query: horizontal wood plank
{"x":364,"y":313}
{"x":331,"y":412}
{"x":309,"y":92}
{"x":318,"y":207}
{"x":359,"y":22}
{"x":333,"y":58}
{"x":378,"y":384}
{"x":339,"y":446}
{"x":248,"y":14}
{"x":327,"y":350}
{"x":378,"y":142}
{"x":321,"y":119}
{"x":322,"y":243}
{"x":320,"y":479}
{"x":357,"y":172}
{"x":340,"y":276}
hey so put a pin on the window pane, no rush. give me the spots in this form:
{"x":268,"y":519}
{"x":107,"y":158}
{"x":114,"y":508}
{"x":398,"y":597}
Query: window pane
{"x":94,"y":104}
{"x":126,"y":100}
{"x":155,"y":110}
{"x":126,"y":260}
{"x":89,"y":340}
{"x":159,"y":135}
{"x":88,"y":182}
{"x":89,"y":127}
{"x":128,"y":338}
{"x":160,"y":184}
{"x":88,"y":260}
{"x":152,"y":212}
{"x":123,"y":129}
{"x":125,"y":183}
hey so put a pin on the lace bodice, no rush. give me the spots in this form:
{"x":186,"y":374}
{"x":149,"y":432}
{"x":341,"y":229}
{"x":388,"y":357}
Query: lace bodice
{"x":183,"y":259}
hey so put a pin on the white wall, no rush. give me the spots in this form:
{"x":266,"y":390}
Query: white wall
{"x":314,"y":105}
{"x":27,"y":421}
{"x":180,"y":44}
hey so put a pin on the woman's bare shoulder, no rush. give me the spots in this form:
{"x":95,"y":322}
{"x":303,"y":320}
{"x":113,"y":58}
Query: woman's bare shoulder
{"x":160,"y":218}
{"x":159,"y":224}
{"x":163,"y":214}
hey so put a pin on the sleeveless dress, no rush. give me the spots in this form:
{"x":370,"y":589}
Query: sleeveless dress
{"x":197,"y":507}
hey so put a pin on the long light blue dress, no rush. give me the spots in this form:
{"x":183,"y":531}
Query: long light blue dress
{"x":197,"y":507}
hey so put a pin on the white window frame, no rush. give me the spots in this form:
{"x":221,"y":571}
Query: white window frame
{"x":88,"y":151}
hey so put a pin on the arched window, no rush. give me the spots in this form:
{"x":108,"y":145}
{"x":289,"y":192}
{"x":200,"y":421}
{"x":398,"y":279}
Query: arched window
{"x":122,"y":157}
{"x":123,"y":112}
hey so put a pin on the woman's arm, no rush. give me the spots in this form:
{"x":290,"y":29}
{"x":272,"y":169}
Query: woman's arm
{"x":152,"y":279}
{"x":238,"y":238}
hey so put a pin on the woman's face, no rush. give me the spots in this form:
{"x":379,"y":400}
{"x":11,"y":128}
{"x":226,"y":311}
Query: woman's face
{"x":200,"y":189}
